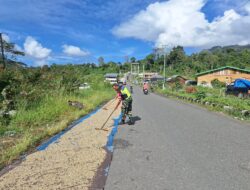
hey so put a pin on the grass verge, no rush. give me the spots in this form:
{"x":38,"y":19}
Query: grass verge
{"x":214,"y":100}
{"x":46,"y":118}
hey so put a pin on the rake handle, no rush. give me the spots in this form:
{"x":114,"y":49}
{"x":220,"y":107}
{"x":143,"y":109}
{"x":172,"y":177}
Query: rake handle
{"x":107,"y":119}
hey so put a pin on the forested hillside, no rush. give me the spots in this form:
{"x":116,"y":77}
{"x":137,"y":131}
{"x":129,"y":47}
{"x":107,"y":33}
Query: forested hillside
{"x":179,"y":63}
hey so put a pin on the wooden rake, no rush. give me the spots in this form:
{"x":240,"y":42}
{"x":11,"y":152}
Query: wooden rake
{"x":102,"y":127}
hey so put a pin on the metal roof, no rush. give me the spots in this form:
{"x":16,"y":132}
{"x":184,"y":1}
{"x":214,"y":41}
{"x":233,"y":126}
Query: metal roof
{"x":157,"y":77}
{"x":111,"y":75}
{"x":174,"y":77}
{"x":222,"y":68}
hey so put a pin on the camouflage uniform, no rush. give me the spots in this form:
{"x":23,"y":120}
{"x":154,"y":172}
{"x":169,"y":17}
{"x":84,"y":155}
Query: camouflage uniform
{"x":127,"y":107}
{"x":126,"y":104}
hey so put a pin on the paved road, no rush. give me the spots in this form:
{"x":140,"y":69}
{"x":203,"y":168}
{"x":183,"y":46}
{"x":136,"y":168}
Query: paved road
{"x":177,"y":146}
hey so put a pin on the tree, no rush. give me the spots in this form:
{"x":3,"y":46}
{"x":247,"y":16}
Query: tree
{"x":176,"y":56}
{"x":10,"y":52}
{"x":150,"y":59}
{"x":132,"y":59}
{"x":101,"y":61}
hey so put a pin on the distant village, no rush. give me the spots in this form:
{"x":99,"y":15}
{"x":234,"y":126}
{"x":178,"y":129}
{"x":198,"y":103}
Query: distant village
{"x":236,"y":80}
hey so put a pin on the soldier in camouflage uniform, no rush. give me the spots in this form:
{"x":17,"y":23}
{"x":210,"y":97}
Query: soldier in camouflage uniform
{"x":125,"y":97}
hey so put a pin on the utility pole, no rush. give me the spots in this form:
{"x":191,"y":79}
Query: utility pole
{"x":2,"y":50}
{"x":164,"y":70}
{"x":164,"y":49}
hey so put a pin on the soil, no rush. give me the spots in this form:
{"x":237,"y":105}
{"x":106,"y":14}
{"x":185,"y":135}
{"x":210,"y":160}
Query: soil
{"x":69,"y":163}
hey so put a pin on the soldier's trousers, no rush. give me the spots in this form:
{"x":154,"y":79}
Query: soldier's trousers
{"x":127,"y":107}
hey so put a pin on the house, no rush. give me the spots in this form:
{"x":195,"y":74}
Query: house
{"x":176,"y":78}
{"x":156,"y":78}
{"x":148,"y":76}
{"x":225,"y":74}
{"x":111,"y":78}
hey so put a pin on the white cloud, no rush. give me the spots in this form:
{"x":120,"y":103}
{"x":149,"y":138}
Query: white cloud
{"x":6,"y":38}
{"x":247,"y":7}
{"x":36,"y":51}
{"x":181,"y":22}
{"x":74,"y":51}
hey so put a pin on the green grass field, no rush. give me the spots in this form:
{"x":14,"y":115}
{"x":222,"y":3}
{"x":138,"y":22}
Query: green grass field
{"x":43,"y":110}
{"x":48,"y":117}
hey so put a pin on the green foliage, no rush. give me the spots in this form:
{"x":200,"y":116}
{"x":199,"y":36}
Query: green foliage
{"x":176,"y":57}
{"x":215,"y":96}
{"x":40,"y":98}
{"x":10,"y":48}
{"x":218,"y":84}
{"x":200,"y":95}
{"x":10,"y":53}
{"x":176,"y":86}
{"x":132,"y":59}
{"x":189,"y":65}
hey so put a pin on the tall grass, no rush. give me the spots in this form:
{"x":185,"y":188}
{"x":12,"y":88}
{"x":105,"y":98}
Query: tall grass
{"x":45,"y":118}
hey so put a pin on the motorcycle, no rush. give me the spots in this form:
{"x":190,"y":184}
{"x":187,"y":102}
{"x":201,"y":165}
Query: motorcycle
{"x":145,"y":91}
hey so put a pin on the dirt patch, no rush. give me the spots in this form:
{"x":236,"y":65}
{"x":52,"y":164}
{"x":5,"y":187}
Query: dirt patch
{"x":70,"y":163}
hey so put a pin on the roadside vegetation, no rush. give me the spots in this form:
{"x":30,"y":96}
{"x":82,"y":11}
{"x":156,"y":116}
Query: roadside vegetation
{"x":34,"y":103}
{"x":179,"y":63}
{"x":38,"y":102}
{"x":213,"y":98}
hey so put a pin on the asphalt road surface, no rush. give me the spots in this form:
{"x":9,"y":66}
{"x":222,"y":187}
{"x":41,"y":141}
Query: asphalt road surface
{"x":178,"y":146}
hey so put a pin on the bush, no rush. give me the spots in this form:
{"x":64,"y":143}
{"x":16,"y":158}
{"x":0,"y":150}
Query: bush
{"x":200,"y":95}
{"x":39,"y":97}
{"x":175,"y":86}
{"x":218,"y":84}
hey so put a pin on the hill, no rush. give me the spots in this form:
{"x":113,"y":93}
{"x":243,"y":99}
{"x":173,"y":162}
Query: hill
{"x":226,"y":48}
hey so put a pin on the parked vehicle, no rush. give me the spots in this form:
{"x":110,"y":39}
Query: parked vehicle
{"x":191,"y":83}
{"x":240,"y":88}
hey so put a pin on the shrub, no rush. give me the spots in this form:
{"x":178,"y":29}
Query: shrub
{"x":39,"y":97}
{"x":200,"y":95}
{"x":218,"y":84}
{"x":175,"y":86}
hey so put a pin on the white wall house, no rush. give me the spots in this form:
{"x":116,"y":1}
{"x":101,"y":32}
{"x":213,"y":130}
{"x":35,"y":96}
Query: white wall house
{"x":111,"y":78}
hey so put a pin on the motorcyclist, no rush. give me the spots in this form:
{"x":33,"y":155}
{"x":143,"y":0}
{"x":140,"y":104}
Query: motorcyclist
{"x":145,"y":86}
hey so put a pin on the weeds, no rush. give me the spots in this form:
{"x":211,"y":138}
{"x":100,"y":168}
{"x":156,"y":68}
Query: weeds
{"x":213,"y":96}
{"x":40,"y":100}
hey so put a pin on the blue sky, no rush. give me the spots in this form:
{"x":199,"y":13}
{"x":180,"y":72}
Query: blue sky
{"x":78,"y":31}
